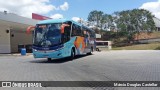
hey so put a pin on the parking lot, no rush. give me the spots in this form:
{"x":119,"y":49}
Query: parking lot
{"x":133,"y":65}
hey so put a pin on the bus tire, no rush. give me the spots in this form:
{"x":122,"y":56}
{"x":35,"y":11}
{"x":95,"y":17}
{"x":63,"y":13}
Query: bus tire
{"x":49,"y":59}
{"x":72,"y":54}
{"x":90,"y":53}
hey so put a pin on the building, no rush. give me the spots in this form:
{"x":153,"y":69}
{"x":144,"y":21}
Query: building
{"x":13,"y":31}
{"x":157,"y":23}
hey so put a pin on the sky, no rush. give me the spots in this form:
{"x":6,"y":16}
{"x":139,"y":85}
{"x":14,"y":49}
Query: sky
{"x":75,"y":9}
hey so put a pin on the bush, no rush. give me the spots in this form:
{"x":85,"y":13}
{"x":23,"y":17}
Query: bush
{"x":157,"y":48}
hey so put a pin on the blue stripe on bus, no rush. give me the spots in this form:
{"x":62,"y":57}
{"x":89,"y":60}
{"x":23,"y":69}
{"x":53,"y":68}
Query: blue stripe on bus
{"x":48,"y":48}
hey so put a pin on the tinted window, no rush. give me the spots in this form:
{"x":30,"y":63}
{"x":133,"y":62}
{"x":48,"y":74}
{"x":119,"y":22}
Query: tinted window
{"x":76,"y":30}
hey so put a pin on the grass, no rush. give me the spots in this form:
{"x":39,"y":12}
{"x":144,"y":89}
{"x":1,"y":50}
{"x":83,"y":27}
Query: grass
{"x":156,"y":34}
{"x":151,"y":46}
{"x":148,"y":35}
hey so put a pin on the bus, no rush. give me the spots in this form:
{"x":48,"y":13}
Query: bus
{"x":59,"y":38}
{"x":103,"y":44}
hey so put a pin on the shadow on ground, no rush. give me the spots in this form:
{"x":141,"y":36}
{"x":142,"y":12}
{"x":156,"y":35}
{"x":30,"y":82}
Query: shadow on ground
{"x":58,"y":61}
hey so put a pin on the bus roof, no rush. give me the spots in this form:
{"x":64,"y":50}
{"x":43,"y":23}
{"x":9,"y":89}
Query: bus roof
{"x":57,"y":21}
{"x":61,"y":21}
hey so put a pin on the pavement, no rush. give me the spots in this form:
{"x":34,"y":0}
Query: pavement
{"x":124,"y":65}
{"x":16,"y":54}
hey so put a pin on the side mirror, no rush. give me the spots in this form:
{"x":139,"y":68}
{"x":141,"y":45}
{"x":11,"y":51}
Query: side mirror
{"x":28,"y":31}
{"x":63,"y":27}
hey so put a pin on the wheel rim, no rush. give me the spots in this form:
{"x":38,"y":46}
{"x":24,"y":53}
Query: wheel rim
{"x":72,"y":53}
{"x":91,"y":49}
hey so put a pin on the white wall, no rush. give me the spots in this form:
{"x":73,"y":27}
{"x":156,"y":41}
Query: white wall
{"x":4,"y":40}
{"x":20,"y":37}
{"x":98,"y":35}
{"x":13,"y":21}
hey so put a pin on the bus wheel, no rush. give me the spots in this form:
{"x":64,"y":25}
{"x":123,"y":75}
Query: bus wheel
{"x":72,"y":54}
{"x":49,"y":59}
{"x":90,"y":53}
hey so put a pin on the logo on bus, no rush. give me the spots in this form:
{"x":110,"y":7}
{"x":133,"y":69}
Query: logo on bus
{"x":45,"y":48}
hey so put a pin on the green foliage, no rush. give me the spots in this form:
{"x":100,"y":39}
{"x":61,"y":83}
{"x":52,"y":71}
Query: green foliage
{"x":108,"y":35}
{"x":157,"y":48}
{"x":95,"y":16}
{"x":136,"y":20}
{"x":127,"y":23}
{"x":122,"y":34}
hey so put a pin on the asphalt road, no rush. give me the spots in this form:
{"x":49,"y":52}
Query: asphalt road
{"x":122,"y":65}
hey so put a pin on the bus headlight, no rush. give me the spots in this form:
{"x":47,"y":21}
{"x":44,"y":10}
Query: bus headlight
{"x":35,"y":50}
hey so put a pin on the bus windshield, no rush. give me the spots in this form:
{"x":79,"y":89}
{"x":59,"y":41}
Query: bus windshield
{"x":47,"y":34}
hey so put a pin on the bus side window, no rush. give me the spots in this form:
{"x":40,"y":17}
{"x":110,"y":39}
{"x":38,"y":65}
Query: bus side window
{"x":88,"y":33}
{"x":76,"y":30}
{"x":73,"y":30}
{"x":82,"y":31}
{"x":67,"y":34}
{"x":92,"y":34}
{"x":67,"y":30}
{"x":85,"y":33}
{"x":79,"y":33}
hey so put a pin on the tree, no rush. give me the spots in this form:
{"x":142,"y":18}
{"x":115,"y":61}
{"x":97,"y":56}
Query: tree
{"x":135,"y":21}
{"x":107,"y":21}
{"x":95,"y":17}
{"x":129,"y":22}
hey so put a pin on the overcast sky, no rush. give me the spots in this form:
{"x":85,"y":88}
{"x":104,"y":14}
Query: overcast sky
{"x":75,"y":9}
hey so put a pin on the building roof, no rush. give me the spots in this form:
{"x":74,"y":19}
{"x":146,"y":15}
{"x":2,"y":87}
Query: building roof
{"x":16,"y":18}
{"x":156,"y":21}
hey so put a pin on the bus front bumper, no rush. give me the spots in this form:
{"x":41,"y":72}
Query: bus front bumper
{"x":48,"y":54}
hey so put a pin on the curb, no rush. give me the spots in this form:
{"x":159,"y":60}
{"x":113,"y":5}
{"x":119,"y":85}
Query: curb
{"x":27,"y":54}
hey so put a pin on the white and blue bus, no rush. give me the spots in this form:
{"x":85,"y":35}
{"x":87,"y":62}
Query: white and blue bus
{"x":61,"y":38}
